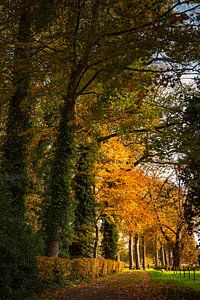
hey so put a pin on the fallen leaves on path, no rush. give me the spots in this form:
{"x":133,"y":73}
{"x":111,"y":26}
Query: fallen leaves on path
{"x":130,"y":286}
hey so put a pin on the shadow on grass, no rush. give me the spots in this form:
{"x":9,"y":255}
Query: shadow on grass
{"x":174,"y":286}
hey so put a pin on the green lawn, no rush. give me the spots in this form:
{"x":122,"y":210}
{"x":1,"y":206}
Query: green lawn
{"x":169,"y":278}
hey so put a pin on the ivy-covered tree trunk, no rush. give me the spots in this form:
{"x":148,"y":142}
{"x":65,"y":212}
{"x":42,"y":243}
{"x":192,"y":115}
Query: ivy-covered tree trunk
{"x":59,"y":208}
{"x":137,"y":252}
{"x":85,"y":222}
{"x":110,"y":239}
{"x":17,"y":266}
{"x":131,"y":263}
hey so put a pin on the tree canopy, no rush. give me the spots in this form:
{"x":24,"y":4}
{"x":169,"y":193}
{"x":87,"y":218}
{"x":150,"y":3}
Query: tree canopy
{"x":90,"y":90}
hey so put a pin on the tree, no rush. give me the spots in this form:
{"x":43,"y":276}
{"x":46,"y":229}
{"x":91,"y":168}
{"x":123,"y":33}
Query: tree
{"x":94,"y":60}
{"x":178,"y":146}
{"x":121,"y":189}
{"x":168,"y":202}
{"x":18,"y":248}
{"x":110,"y":238}
{"x":17,"y":265}
{"x":84,"y":222}
{"x":189,"y":161}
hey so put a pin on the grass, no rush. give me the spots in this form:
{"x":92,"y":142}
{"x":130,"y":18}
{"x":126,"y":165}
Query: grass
{"x":175,"y":279}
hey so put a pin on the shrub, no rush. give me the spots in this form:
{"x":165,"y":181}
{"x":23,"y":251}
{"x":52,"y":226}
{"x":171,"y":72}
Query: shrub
{"x":83,"y":268}
{"x":53,"y":270}
{"x":60,"y":270}
{"x":94,"y":267}
{"x":18,"y":274}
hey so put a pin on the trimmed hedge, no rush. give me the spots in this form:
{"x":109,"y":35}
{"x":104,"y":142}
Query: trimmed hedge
{"x":53,"y":269}
{"x":60,"y":270}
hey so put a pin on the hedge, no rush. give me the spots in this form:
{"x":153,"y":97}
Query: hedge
{"x":60,"y":270}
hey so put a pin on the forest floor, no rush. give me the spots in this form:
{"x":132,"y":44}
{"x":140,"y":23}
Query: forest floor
{"x":135,"y":285}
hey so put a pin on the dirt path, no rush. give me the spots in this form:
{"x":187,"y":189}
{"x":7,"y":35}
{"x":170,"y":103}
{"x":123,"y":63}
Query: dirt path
{"x":131,"y":286}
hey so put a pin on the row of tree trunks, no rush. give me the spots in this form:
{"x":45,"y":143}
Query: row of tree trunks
{"x":164,"y":257}
{"x":134,"y":252}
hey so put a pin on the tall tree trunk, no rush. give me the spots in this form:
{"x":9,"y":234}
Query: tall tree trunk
{"x":118,"y":256}
{"x":156,"y":254}
{"x":13,"y":164}
{"x":130,"y":251}
{"x":16,"y":259}
{"x":110,"y":239}
{"x":177,"y":249}
{"x":59,"y":209}
{"x":137,"y":252}
{"x":170,"y":258}
{"x":143,"y":253}
{"x":85,"y":221}
{"x":166,"y":259}
{"x":162,"y":256}
{"x":96,"y":241}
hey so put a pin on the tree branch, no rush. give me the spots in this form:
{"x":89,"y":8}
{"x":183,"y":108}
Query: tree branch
{"x":89,"y":82}
{"x":130,"y":30}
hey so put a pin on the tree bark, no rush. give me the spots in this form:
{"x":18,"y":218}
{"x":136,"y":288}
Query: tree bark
{"x":118,"y":256}
{"x":130,"y":251}
{"x":156,"y":254}
{"x":137,"y":252}
{"x":96,"y":241}
{"x":177,"y":250}
{"x":166,"y":259}
{"x":54,"y":244}
{"x":162,"y":256}
{"x":170,"y":258}
{"x":143,"y":253}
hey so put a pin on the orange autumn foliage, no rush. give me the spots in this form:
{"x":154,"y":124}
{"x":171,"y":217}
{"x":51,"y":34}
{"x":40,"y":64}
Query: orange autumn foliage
{"x":121,"y":188}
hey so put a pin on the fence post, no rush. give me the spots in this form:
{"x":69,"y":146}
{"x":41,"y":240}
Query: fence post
{"x":194,"y":273}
